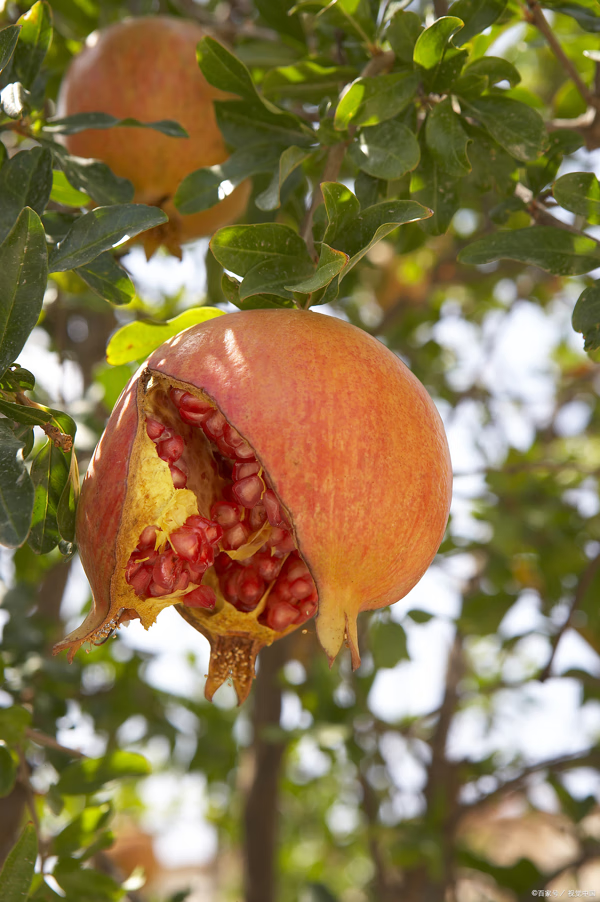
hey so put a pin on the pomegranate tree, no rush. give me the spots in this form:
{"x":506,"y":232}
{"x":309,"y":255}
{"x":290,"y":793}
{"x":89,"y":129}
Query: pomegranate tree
{"x":259,"y":469}
{"x":146,"y":68}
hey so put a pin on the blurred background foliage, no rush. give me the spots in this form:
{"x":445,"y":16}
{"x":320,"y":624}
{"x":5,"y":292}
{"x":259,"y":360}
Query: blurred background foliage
{"x":460,"y":762}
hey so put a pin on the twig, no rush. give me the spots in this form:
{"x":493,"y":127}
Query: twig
{"x":51,"y":743}
{"x":30,"y":799}
{"x":537,"y":18}
{"x":60,"y":439}
{"x":578,"y":596}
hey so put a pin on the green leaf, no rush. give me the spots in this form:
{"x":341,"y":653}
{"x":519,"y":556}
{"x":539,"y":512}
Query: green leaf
{"x":95,"y":178}
{"x":138,"y":340}
{"x":16,"y":378}
{"x":516,"y":127}
{"x":386,"y":151}
{"x":388,"y":643}
{"x":14,"y":720}
{"x":8,"y":41}
{"x":240,"y":248}
{"x":586,"y":317}
{"x":8,"y":772}
{"x":17,"y":873}
{"x":108,"y":279}
{"x":419,"y":616}
{"x":276,"y":13}
{"x":432,"y":43}
{"x":100,"y":230}
{"x":80,"y":832}
{"x":23,"y":277}
{"x":369,"y":101}
{"x":63,"y":193}
{"x":25,"y":181}
{"x":477,"y":16}
{"x":437,"y":189}
{"x":402,"y":32}
{"x":552,"y":249}
{"x":342,"y":209}
{"x":14,"y":100}
{"x":34,"y":42}
{"x":204,"y":188}
{"x":307,"y":81}
{"x":495,"y":69}
{"x":270,"y":276}
{"x":231,"y":291}
{"x":331,"y":263}
{"x":579,"y":192}
{"x":352,"y":16}
{"x":29,"y":416}
{"x":447,"y":140}
{"x":244,"y":124}
{"x":49,"y":474}
{"x":80,"y":122}
{"x":585,"y":12}
{"x":91,"y":774}
{"x":544,"y":170}
{"x":67,"y":504}
{"x":290,"y":159}
{"x":223,"y":70}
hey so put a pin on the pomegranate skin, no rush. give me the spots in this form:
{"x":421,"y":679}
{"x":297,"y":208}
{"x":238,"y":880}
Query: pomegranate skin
{"x":146,"y":68}
{"x":352,"y":444}
{"x":350,"y":438}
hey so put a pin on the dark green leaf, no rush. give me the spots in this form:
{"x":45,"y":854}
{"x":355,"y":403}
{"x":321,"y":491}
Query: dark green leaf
{"x":447,"y":139}
{"x":555,"y":250}
{"x":204,"y":188}
{"x":495,"y":69}
{"x":14,"y":100}
{"x":290,"y":159}
{"x":240,"y":248}
{"x":223,"y":70}
{"x":270,"y":276}
{"x":14,"y":720}
{"x":8,"y":41}
{"x":516,"y":127}
{"x":331,"y":263}
{"x":585,"y":12}
{"x":63,"y":193}
{"x":100,"y":230}
{"x":108,"y":279}
{"x":34,"y":42}
{"x":16,"y":378}
{"x":86,"y":883}
{"x":96,"y":179}
{"x":586,"y":317}
{"x":276,"y":13}
{"x":25,"y":181}
{"x":137,"y":340}
{"x":307,"y":81}
{"x":49,"y":473}
{"x":342,"y":209}
{"x":369,"y":101}
{"x":437,"y":189}
{"x":91,"y":774}
{"x":542,"y":171}
{"x":352,"y":16}
{"x":419,"y":616}
{"x":385,"y":151}
{"x":521,"y":877}
{"x":67,"y":503}
{"x":477,"y":16}
{"x":579,"y":192}
{"x":432,"y":43}
{"x":29,"y":416}
{"x":8,"y":772}
{"x":244,"y":124}
{"x":80,"y":832}
{"x":388,"y":643}
{"x":23,"y":277}
{"x":402,"y":32}
{"x":17,"y":873}
{"x":231,"y":291}
{"x":80,"y":122}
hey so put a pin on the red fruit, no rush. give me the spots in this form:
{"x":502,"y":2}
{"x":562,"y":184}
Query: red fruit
{"x":353,"y":457}
{"x":146,"y":68}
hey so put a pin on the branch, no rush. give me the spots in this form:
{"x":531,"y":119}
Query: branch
{"x":60,"y":439}
{"x":537,"y":18}
{"x":583,"y":585}
{"x":51,"y":743}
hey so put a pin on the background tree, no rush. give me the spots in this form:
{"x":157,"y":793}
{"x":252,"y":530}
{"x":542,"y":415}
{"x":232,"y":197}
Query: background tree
{"x":442,"y":141}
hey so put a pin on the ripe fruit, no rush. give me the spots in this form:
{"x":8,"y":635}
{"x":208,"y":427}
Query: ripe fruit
{"x":356,"y":481}
{"x":146,"y":68}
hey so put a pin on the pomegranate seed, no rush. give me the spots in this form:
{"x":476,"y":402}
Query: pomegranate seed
{"x":296,"y":569}
{"x":231,"y":583}
{"x":277,"y":536}
{"x":202,"y":597}
{"x":191,"y":404}
{"x":196,"y":570}
{"x":226,"y":514}
{"x":154,"y":429}
{"x":236,"y":536}
{"x":182,"y":581}
{"x":248,"y":491}
{"x":213,"y":426}
{"x":171,"y":449}
{"x":286,"y":545}
{"x":244,"y":451}
{"x":232,"y":436}
{"x":307,"y":609}
{"x":214,"y":533}
{"x":222,"y":563}
{"x":280,"y":616}
{"x":186,"y":542}
{"x":165,"y":570}
{"x":267,"y":567}
{"x":257,"y":517}
{"x":148,"y":538}
{"x":269,"y":499}
{"x":193,"y":419}
{"x":179,"y":478}
{"x":251,"y":590}
{"x":247,"y":468}
{"x":140,"y":581}
{"x":301,"y":588}
{"x":157,"y":591}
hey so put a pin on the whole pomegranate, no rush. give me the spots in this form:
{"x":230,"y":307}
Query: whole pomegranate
{"x":260,"y":468}
{"x":146,"y":68}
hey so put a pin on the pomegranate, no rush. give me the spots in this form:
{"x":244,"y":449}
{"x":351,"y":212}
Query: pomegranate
{"x":146,"y":68}
{"x":315,"y":476}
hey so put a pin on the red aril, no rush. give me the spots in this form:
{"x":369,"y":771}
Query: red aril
{"x":322,"y":538}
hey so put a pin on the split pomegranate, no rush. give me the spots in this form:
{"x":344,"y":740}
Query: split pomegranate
{"x":146,"y":68}
{"x":263,"y":467}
